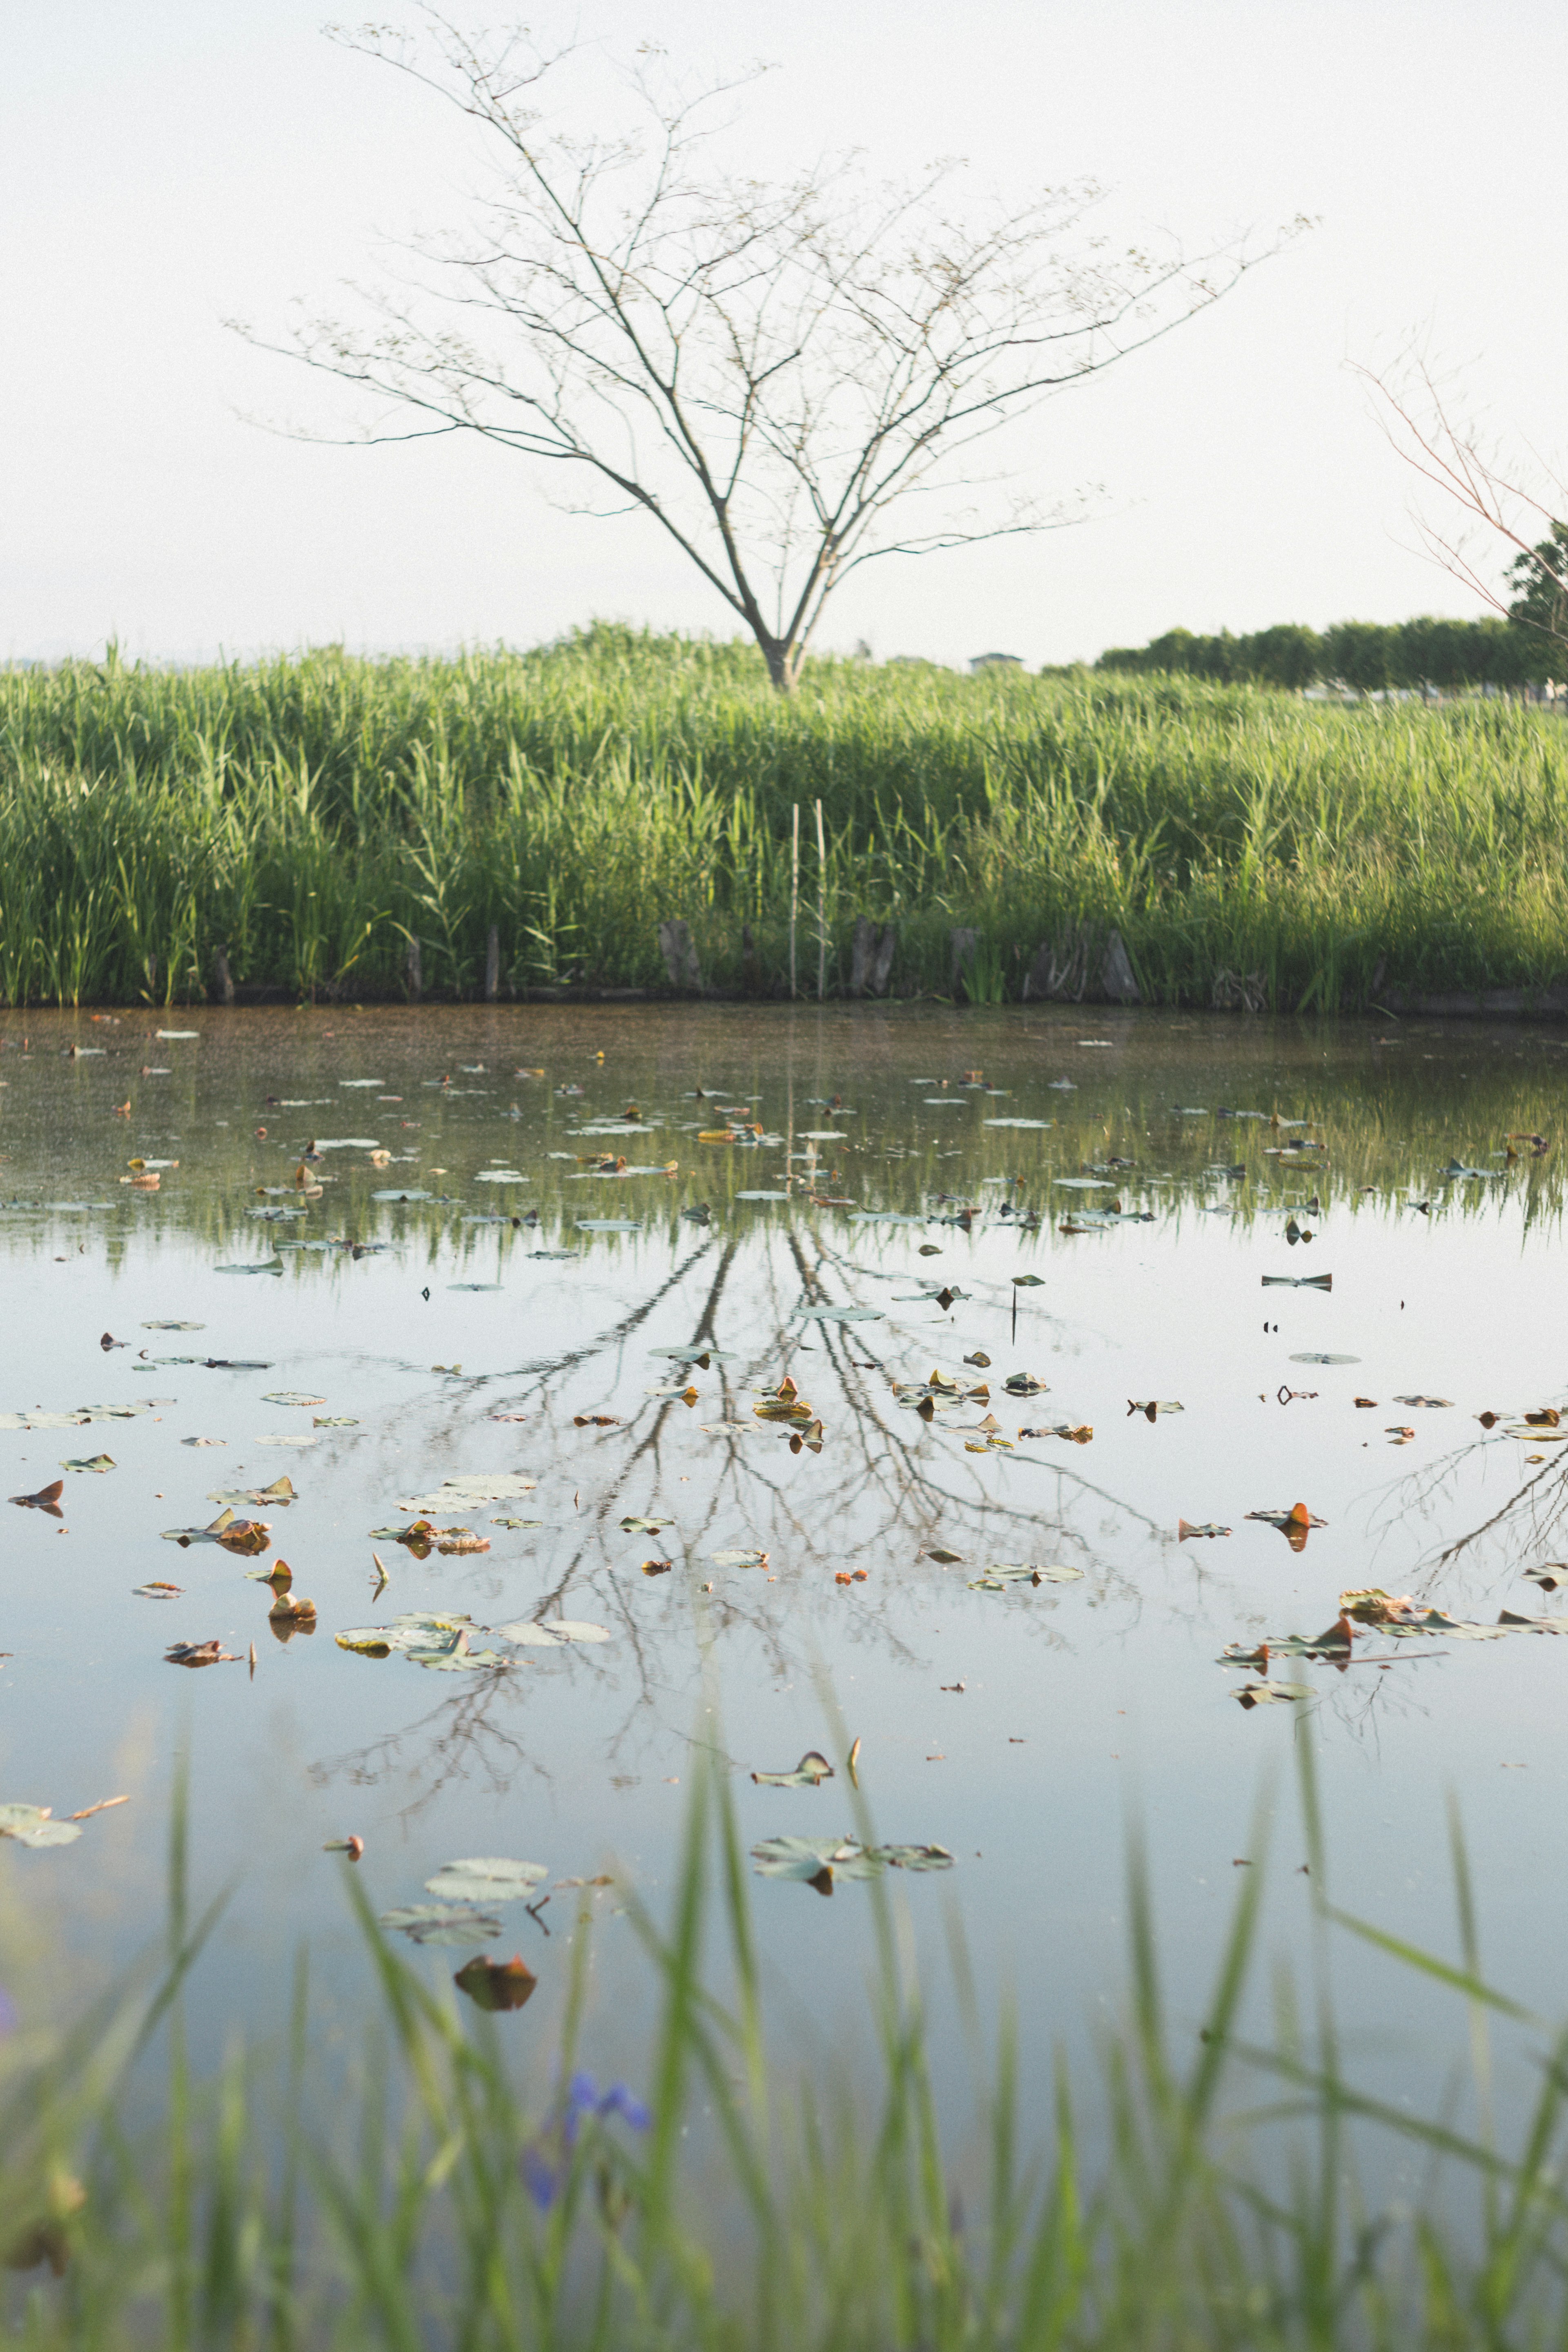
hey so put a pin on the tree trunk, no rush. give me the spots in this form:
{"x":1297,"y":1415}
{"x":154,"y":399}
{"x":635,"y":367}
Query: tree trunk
{"x":783,"y":664}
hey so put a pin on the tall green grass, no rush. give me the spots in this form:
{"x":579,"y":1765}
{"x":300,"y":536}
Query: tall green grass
{"x":1236,"y":2201}
{"x":310,"y":815}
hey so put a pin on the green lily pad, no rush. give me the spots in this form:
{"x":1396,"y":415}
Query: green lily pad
{"x":809,"y":1773}
{"x":487,"y":1879}
{"x":440,"y":1923}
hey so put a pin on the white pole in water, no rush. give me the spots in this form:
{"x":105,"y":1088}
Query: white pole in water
{"x":793,"y":897}
{"x":821,"y":910}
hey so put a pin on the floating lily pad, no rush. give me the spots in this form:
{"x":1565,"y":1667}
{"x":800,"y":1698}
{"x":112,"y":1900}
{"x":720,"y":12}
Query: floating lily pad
{"x":441,"y":1923}
{"x":463,"y":1492}
{"x":31,"y":1825}
{"x":486,"y":1879}
{"x":809,"y":1773}
{"x":290,"y":1396}
{"x":1001,"y":1574}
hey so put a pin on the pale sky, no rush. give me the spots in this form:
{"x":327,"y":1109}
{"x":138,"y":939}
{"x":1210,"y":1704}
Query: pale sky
{"x":167,"y":166}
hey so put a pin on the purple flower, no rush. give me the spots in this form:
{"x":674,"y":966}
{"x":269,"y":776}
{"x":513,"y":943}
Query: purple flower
{"x":544,"y":2163}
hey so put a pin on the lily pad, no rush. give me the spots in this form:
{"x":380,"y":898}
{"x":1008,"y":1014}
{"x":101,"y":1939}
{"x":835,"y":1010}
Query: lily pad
{"x":31,"y":1825}
{"x":463,"y":1493}
{"x":609,"y":1225}
{"x":809,"y":1773}
{"x":290,"y":1396}
{"x":1270,"y":1694}
{"x":486,"y":1879}
{"x":1003,"y":1573}
{"x":441,"y":1923}
{"x":845,"y":1314}
{"x":1311,"y":1356}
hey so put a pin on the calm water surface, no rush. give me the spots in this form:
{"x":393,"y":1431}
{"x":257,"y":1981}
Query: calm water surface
{"x":521,"y":1313}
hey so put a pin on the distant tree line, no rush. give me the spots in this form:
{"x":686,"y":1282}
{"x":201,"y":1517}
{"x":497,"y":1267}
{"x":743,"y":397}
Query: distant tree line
{"x":1369,"y":655}
{"x":1523,"y":649}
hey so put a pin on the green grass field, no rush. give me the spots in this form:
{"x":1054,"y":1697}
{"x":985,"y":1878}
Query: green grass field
{"x":307,"y":815}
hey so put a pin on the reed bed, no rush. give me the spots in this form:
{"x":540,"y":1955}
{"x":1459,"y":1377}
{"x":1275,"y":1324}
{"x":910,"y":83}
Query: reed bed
{"x":1242,"y":2194}
{"x":310,"y":815}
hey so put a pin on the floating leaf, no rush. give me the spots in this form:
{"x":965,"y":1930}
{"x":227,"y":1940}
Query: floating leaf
{"x":1001,"y":1574}
{"x":290,"y":1396}
{"x":497,"y":1985}
{"x":943,"y":1559}
{"x":33,"y":1825}
{"x":269,"y":1266}
{"x":99,"y":1462}
{"x":463,"y":1493}
{"x":440,"y":1923}
{"x":1028,"y":1282}
{"x":486,"y":1879}
{"x":812,"y":1770}
{"x":1424,"y":1400}
{"x":1185,"y":1529}
{"x":280,"y":1494}
{"x":47,"y":1499}
{"x":160,"y":1589}
{"x":743,"y":1556}
{"x":1312,"y":1355}
{"x":846,"y":1313}
{"x":1299,"y":1281}
{"x":1270,"y":1694}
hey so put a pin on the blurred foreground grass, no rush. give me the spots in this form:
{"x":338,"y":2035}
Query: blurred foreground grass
{"x":1236,"y":2204}
{"x":308,"y":814}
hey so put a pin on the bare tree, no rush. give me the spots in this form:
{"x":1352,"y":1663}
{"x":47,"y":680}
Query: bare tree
{"x":766,"y":370}
{"x":1493,"y":498}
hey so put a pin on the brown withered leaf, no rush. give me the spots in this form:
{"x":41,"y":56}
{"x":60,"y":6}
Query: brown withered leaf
{"x":497,"y":1984}
{"x":595,"y":1420}
{"x":199,"y":1653}
{"x":657,"y":1567}
{"x":47,"y":1500}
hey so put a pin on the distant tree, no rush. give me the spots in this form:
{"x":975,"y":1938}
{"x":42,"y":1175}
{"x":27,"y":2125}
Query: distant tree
{"x":1289,"y":654}
{"x":1540,"y":578}
{"x":1357,"y":653}
{"x":764,"y":371}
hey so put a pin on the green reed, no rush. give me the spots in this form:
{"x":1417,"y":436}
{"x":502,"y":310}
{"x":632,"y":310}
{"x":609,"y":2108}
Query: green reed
{"x":309,"y":815}
{"x":1233,"y":2202}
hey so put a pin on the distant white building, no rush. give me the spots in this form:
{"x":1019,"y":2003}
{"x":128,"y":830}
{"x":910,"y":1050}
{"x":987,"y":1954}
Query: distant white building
{"x":994,"y":661}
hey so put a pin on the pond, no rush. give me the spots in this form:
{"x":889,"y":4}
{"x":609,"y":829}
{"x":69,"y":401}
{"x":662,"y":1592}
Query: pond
{"x":1118,"y":1341}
